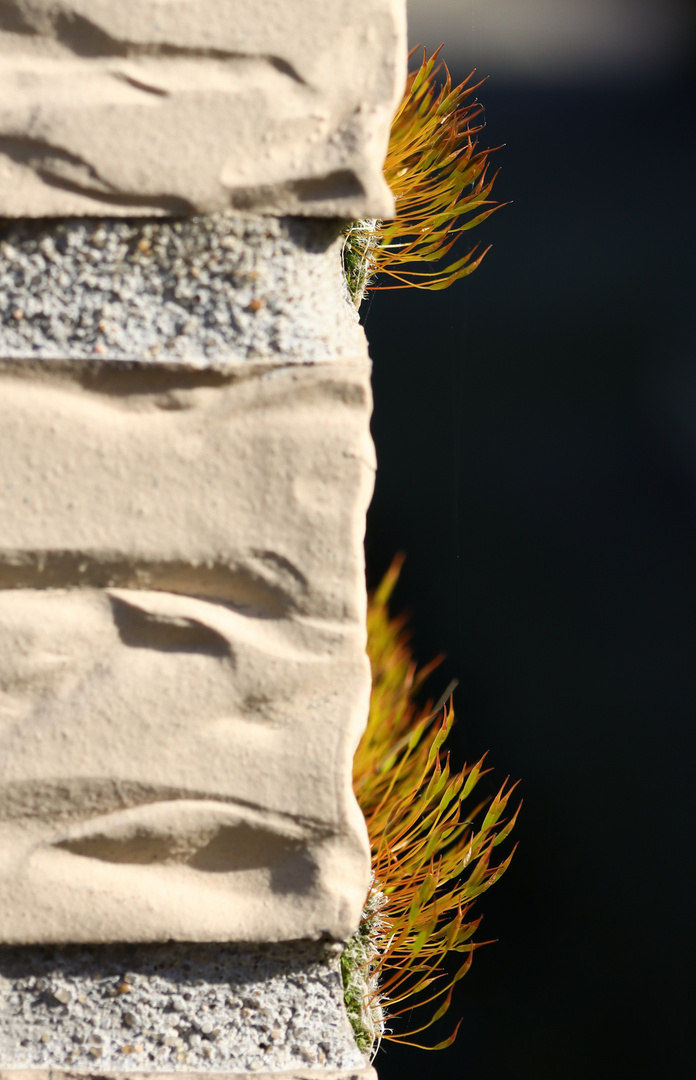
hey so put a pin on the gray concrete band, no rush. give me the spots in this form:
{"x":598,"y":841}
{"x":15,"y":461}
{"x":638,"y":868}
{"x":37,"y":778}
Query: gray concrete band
{"x":174,"y":1008}
{"x":226,"y":287}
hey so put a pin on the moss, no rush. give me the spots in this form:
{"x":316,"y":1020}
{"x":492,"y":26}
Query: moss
{"x":359,"y":255}
{"x":438,"y":177}
{"x":431,"y":856}
{"x":359,"y":962}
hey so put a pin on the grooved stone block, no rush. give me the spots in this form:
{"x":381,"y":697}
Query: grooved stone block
{"x":246,"y":485}
{"x":183,"y":678}
{"x":176,"y":106}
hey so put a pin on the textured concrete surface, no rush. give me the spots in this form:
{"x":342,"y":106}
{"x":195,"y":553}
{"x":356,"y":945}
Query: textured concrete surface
{"x":174,"y":1008}
{"x":177,"y":106}
{"x":185,"y":410}
{"x":182,"y":633}
{"x":225,"y":287}
{"x":365,"y":1072}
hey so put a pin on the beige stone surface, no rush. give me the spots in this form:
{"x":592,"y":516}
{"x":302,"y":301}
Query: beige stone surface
{"x":245,"y":484}
{"x":175,"y":106}
{"x":182,"y":669}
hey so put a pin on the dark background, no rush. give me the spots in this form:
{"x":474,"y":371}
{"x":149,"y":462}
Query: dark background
{"x":536,"y":436}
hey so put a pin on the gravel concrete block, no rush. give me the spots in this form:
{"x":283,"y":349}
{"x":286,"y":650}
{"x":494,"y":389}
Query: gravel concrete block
{"x":174,"y":1008}
{"x":225,"y":288}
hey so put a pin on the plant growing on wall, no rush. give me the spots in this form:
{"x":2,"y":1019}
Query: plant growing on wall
{"x":433,"y":846}
{"x":441,"y":188}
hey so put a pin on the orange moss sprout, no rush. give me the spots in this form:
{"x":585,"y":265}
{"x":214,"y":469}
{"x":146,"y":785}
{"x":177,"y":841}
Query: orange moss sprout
{"x":439,"y":180}
{"x":431,"y":858}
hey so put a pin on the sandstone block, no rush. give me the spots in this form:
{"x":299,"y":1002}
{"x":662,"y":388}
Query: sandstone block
{"x":182,"y":673}
{"x":177,"y":106}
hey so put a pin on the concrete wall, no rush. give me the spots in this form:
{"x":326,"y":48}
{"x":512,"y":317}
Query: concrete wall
{"x":185,"y":467}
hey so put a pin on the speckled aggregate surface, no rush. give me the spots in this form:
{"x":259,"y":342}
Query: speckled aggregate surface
{"x":200,"y":289}
{"x":174,"y":1008}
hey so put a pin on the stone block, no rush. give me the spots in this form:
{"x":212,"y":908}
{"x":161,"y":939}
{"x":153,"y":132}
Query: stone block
{"x":160,"y":107}
{"x":183,"y":677}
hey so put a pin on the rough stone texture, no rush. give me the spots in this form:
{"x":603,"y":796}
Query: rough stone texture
{"x":182,"y":639}
{"x":175,"y":1008}
{"x":177,"y":106}
{"x":182,"y":677}
{"x":366,"y":1072}
{"x":181,"y":583}
{"x":219,"y":483}
{"x":203,"y":289}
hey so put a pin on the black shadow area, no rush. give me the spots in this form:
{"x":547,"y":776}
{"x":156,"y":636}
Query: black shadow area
{"x":536,"y":438}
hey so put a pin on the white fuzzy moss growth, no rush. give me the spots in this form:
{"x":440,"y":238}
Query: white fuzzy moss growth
{"x":359,"y":260}
{"x":359,"y":968}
